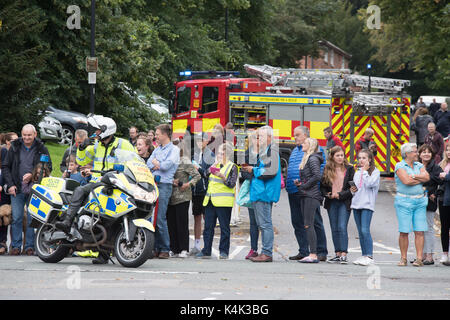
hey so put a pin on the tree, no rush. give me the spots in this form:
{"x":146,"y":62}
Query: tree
{"x":346,"y":30}
{"x":415,"y":33}
{"x":22,"y":62}
{"x":129,"y":51}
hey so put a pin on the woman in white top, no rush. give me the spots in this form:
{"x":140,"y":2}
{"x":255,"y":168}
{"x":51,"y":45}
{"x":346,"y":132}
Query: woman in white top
{"x":367,"y":181}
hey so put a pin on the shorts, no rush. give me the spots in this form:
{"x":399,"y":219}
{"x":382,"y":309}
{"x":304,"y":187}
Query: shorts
{"x":197,"y":205}
{"x":411,"y":214}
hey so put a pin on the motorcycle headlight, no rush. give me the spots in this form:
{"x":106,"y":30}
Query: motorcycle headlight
{"x":141,"y":194}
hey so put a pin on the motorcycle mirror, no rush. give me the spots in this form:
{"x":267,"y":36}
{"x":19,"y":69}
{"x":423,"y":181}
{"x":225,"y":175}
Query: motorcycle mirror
{"x":119,"y":168}
{"x":44,"y":158}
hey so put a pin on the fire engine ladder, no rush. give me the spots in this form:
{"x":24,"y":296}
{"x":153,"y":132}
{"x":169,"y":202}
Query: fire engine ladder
{"x":321,"y":78}
{"x":374,"y":104}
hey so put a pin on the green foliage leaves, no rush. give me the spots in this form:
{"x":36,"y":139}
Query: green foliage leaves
{"x":20,"y":71}
{"x":415,"y":34}
{"x":145,"y":43}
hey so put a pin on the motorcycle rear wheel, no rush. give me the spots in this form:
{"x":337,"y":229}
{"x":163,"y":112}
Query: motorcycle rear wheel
{"x":139,"y":250}
{"x":49,"y":253}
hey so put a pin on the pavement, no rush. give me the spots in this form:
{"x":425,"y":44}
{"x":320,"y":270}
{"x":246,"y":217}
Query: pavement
{"x":192,"y":279}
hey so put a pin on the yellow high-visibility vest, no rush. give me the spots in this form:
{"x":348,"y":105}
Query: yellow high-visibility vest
{"x":100,"y":156}
{"x":218,"y":192}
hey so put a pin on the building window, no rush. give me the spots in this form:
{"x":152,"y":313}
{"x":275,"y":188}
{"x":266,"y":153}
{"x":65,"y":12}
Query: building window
{"x":332,"y":58}
{"x":325,"y":55}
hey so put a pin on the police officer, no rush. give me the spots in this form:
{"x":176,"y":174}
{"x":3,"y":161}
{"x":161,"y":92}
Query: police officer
{"x":99,"y":149}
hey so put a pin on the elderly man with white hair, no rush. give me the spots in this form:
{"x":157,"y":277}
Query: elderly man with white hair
{"x":265,"y":189}
{"x":411,"y":202}
{"x":23,"y":155}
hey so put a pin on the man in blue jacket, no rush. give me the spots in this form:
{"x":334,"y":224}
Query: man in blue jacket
{"x":265,"y":189}
{"x":293,"y":173}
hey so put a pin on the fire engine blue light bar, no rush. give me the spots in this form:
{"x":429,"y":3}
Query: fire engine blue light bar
{"x":189,"y":73}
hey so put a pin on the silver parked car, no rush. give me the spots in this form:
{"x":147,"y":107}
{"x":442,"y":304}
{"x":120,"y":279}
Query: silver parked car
{"x":50,"y":129}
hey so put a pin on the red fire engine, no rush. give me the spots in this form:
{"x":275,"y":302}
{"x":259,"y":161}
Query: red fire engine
{"x":287,"y":98}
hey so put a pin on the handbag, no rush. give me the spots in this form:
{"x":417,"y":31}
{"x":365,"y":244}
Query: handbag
{"x":243,"y":198}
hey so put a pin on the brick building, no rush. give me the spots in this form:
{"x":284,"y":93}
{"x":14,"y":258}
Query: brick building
{"x":330,"y":57}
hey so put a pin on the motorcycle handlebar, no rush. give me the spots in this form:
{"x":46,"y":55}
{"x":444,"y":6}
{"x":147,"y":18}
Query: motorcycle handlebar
{"x":101,"y":171}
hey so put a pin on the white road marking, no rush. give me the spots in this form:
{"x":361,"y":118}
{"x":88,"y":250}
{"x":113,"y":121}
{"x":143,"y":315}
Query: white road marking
{"x":236,"y":251}
{"x":394,"y":250}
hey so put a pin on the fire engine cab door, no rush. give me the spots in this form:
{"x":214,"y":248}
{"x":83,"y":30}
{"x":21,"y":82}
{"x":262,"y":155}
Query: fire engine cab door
{"x":208,"y":107}
{"x":182,"y":114}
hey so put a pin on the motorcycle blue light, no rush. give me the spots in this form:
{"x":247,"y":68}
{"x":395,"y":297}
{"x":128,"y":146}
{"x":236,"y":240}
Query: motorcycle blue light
{"x":119,"y":167}
{"x":44,"y":158}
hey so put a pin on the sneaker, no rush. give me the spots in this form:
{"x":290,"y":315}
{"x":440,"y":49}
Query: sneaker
{"x":200,"y":255}
{"x":334,"y":260}
{"x":343,"y":260}
{"x":444,"y":258}
{"x":183,"y":254}
{"x":366,"y":261}
{"x":223,"y":256}
{"x":308,"y":259}
{"x":358,"y":261}
{"x":194,"y":251}
{"x":251,"y":254}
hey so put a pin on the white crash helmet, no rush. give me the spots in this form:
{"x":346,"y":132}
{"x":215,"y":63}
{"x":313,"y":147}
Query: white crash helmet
{"x":106,"y":125}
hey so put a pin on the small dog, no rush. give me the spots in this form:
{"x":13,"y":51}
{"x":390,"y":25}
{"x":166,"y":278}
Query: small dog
{"x":6,"y":219}
{"x":5,"y":215}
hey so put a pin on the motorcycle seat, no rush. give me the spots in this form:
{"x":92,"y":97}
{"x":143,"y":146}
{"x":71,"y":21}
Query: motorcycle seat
{"x":71,"y":185}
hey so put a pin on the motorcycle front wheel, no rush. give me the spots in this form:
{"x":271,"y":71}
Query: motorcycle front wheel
{"x":49,"y":252}
{"x":138,"y":251}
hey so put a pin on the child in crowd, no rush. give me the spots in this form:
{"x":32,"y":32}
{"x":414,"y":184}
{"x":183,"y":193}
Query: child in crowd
{"x":367,"y":183}
{"x":73,"y":171}
{"x":35,"y":175}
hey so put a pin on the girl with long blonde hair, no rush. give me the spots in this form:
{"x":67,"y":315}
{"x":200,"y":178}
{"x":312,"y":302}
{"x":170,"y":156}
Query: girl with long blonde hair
{"x":309,"y":192}
{"x":313,"y":147}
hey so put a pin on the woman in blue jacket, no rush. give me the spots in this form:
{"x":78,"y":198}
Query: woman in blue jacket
{"x":265,"y":189}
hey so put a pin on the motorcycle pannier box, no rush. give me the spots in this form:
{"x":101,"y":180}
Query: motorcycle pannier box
{"x":43,"y":201}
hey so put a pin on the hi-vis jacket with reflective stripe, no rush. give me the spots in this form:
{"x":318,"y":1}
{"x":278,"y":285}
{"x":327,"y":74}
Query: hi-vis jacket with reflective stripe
{"x":218,"y":192}
{"x":101,"y":155}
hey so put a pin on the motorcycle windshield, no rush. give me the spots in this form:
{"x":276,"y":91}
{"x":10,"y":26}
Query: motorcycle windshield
{"x":135,"y":167}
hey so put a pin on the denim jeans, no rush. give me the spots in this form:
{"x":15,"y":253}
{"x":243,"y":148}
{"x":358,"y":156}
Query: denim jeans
{"x":339,"y":216}
{"x":299,"y":228}
{"x":363,"y":217}
{"x":263,"y":215}
{"x":162,"y":239}
{"x":254,"y":232}
{"x":213,"y":213}
{"x":17,"y":208}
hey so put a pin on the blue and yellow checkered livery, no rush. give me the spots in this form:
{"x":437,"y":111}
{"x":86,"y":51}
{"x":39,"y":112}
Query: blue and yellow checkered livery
{"x":115,"y":205}
{"x":42,"y":201}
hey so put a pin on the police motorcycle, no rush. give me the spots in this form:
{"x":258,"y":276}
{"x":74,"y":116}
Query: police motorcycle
{"x":117,"y":216}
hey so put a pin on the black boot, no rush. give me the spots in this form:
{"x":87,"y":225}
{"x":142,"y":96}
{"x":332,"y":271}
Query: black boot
{"x":78,"y":197}
{"x":102,"y":258}
{"x":67,"y":222}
